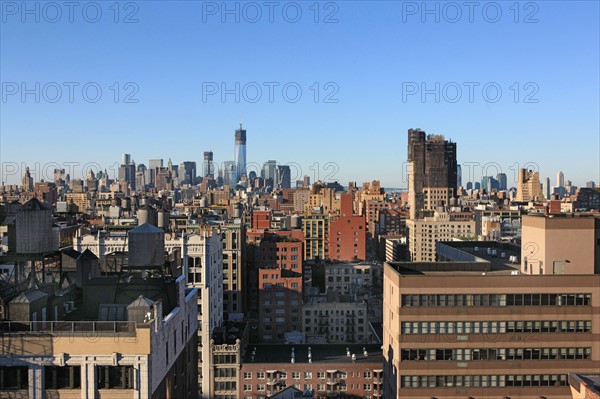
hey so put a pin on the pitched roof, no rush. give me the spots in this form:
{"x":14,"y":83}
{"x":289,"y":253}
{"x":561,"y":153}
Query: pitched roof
{"x":87,"y":255}
{"x":146,"y":228}
{"x":33,"y":205}
{"x":29,"y":296}
{"x":141,"y":302}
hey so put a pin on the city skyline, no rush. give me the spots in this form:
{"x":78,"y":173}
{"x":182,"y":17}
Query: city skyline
{"x":316,"y":199}
{"x":153,"y":104}
{"x":329,"y":171}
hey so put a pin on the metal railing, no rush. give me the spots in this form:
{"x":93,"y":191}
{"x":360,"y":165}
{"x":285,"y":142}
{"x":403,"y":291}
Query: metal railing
{"x":70,"y":327}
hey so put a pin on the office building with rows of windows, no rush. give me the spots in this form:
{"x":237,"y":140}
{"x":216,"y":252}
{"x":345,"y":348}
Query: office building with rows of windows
{"x":473,"y":326}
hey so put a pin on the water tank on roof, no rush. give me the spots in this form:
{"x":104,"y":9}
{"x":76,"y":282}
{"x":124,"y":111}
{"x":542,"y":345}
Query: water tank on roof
{"x":34,"y":228}
{"x":296,"y":222}
{"x":146,"y":214}
{"x":146,"y":246}
{"x":162,"y":221}
{"x":237,"y":210}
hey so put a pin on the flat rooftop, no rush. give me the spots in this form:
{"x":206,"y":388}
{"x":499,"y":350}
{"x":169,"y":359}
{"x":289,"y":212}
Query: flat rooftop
{"x":320,"y":353}
{"x":466,"y":258}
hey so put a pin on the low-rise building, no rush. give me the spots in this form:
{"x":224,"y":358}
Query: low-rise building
{"x":319,"y":370}
{"x":336,"y":320}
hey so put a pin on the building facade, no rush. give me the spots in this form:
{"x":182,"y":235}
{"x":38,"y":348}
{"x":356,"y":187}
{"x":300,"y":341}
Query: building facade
{"x":452,"y":331}
{"x":323,"y":370}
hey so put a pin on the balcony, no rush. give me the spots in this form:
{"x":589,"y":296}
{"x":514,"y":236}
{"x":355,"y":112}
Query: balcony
{"x":333,"y":381}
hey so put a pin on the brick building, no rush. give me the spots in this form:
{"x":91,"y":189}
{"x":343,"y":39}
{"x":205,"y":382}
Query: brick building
{"x":330,"y":371}
{"x":280,"y":303}
{"x":347,"y":233}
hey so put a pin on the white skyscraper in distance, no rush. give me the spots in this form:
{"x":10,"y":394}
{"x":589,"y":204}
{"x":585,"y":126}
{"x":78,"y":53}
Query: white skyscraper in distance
{"x":560,"y":179}
{"x":240,"y":152}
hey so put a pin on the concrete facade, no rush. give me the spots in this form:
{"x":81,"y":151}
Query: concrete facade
{"x":452,"y":331}
{"x":423,"y":234}
{"x":148,"y":357}
{"x":560,"y":244}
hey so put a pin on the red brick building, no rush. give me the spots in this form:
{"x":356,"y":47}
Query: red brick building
{"x":331,"y":372}
{"x":261,"y":220}
{"x":280,"y":303}
{"x":347,"y":233}
{"x":45,"y":191}
{"x":277,"y":250}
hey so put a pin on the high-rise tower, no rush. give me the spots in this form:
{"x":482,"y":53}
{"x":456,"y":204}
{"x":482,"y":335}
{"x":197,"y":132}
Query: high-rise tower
{"x":560,"y":179}
{"x":240,"y":152}
{"x":208,"y":170}
{"x":432,"y":171}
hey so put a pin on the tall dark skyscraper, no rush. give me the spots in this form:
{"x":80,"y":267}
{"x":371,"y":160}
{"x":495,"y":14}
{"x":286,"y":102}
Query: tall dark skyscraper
{"x":432,"y":176}
{"x":208,"y":167}
{"x":240,"y":151}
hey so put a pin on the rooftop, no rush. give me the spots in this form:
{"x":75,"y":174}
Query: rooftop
{"x":319,"y":353}
{"x":467,"y":258}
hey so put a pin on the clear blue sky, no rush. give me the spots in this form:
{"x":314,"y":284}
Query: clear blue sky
{"x":370,"y":55}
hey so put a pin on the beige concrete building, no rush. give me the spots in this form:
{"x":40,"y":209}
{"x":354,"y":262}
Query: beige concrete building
{"x":81,"y":200}
{"x":529,"y":187}
{"x":150,"y":352}
{"x":474,"y":327}
{"x":325,"y":198}
{"x":560,"y":244}
{"x":316,"y":236}
{"x":202,"y":259}
{"x":423,"y":234}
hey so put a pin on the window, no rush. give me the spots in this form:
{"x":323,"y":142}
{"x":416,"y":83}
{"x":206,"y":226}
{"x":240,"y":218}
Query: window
{"x":247,"y":375}
{"x":247,"y":387}
{"x":307,"y":375}
{"x":15,"y":378}
{"x":67,"y":377}
{"x":114,"y":377}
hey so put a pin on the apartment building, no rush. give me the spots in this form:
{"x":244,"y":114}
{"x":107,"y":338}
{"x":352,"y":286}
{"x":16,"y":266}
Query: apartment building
{"x":424,"y":233}
{"x":322,"y":371}
{"x":336,"y":320}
